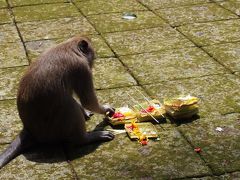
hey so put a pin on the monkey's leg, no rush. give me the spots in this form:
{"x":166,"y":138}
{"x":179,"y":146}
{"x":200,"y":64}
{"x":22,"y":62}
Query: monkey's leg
{"x":76,"y":121}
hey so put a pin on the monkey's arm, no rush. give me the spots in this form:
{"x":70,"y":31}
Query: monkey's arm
{"x":84,"y":88}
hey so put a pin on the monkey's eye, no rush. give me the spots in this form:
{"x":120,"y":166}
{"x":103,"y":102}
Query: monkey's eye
{"x":83,"y":46}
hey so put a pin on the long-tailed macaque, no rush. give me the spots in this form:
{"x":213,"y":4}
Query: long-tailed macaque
{"x":45,"y":104}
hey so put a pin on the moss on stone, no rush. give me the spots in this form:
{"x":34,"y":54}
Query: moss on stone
{"x":3,"y":4}
{"x":197,"y":13}
{"x":8,"y":33}
{"x":150,"y":68}
{"x":227,"y":54}
{"x":58,"y":28}
{"x":156,"y":4}
{"x":220,"y":150}
{"x":9,"y":79}
{"x":9,"y":120}
{"x":231,"y":5}
{"x":104,"y":6}
{"x":146,"y":40}
{"x":114,"y":22}
{"x":41,"y":163}
{"x":12,"y":54}
{"x":109,"y":73}
{"x":44,"y":11}
{"x":212,"y":32}
{"x":5,"y":16}
{"x":33,"y":2}
{"x":122,"y":158}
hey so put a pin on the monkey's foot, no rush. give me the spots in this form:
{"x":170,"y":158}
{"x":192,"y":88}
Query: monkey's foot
{"x":88,"y":114}
{"x":95,"y":136}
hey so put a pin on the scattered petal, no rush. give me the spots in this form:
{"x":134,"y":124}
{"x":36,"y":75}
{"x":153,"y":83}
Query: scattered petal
{"x":219,"y":129}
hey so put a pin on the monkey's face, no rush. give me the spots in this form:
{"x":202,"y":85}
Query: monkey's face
{"x":85,"y":47}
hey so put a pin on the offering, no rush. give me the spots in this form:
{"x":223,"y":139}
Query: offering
{"x":122,"y":115}
{"x":181,"y":107}
{"x":141,"y":131}
{"x":147,"y":110}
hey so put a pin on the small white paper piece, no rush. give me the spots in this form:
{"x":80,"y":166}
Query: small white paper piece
{"x":219,"y":129}
{"x":129,"y":16}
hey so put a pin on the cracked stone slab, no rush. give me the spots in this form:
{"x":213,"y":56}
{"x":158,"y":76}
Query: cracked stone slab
{"x":35,"y":48}
{"x":58,"y":28}
{"x":156,"y":4}
{"x":232,"y":5}
{"x":228,"y":54}
{"x":93,"y":7}
{"x":110,"y":73}
{"x":5,"y":16}
{"x":41,"y":163}
{"x":213,"y":32}
{"x":171,"y":64}
{"x":197,"y":13}
{"x":170,"y":157}
{"x":45,"y":12}
{"x":12,"y":55}
{"x":33,"y":2}
{"x":9,"y":120}
{"x":146,"y":40}
{"x":219,"y":94}
{"x":8,"y":33}
{"x":9,"y":79}
{"x":220,"y":150}
{"x":114,"y":22}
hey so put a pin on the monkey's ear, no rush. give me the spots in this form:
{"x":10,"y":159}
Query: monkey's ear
{"x":83,"y":46}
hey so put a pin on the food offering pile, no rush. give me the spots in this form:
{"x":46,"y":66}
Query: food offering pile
{"x":135,"y":119}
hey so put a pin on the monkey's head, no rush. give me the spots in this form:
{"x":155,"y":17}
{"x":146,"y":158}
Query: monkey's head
{"x":84,"y":48}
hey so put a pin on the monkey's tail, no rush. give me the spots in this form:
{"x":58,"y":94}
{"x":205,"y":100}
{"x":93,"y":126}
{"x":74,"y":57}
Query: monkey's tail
{"x":21,"y":143}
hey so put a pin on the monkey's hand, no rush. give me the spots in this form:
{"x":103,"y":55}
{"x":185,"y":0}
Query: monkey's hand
{"x":109,"y":111}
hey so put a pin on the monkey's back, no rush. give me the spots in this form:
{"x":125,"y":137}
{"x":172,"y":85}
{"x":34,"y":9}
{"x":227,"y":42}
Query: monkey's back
{"x":43,"y":92}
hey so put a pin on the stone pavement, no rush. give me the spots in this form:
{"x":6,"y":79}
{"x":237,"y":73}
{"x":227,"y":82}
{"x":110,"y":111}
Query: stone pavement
{"x":172,"y":47}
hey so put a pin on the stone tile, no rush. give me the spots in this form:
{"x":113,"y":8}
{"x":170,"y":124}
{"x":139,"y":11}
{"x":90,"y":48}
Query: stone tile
{"x":220,"y":150}
{"x":197,"y":13}
{"x":3,"y":4}
{"x":33,"y":2}
{"x":5,"y":16}
{"x":41,"y":163}
{"x":230,"y":176}
{"x":8,"y":33}
{"x":59,"y":28}
{"x":12,"y":55}
{"x":118,"y":97}
{"x":9,"y":79}
{"x":171,"y":64}
{"x":35,"y":48}
{"x":219,"y":94}
{"x":146,"y":40}
{"x":228,"y":54}
{"x":232,"y":5}
{"x":110,"y":73}
{"x":9,"y":120}
{"x":213,"y":32}
{"x":156,"y":4}
{"x":171,"y":157}
{"x":93,"y":7}
{"x":44,"y":12}
{"x":114,"y":22}
{"x":100,"y":46}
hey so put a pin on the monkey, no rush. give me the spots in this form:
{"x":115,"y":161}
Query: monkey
{"x":45,"y":103}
